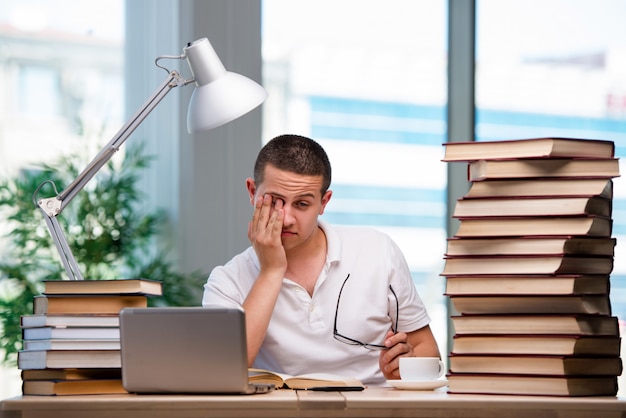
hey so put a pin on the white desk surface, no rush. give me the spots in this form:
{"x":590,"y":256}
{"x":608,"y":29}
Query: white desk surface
{"x":373,"y":402}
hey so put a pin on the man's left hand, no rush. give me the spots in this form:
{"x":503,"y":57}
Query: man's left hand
{"x":389,"y":360}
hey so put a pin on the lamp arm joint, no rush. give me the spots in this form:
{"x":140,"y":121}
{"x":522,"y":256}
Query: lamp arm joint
{"x":51,"y":206}
{"x":177,"y":80}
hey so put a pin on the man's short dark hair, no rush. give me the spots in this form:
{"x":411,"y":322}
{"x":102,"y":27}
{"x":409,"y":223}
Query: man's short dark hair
{"x":296,"y":154}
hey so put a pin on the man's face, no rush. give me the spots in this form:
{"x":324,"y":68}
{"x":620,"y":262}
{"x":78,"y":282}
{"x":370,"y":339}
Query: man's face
{"x":302,"y":202}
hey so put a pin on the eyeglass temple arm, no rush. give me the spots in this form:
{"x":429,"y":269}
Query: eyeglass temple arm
{"x":395,"y":329}
{"x":337,"y":307}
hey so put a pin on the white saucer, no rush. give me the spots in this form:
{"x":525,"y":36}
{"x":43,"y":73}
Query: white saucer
{"x":417,"y":384}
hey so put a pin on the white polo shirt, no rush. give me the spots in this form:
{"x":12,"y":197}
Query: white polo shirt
{"x":299,"y":338}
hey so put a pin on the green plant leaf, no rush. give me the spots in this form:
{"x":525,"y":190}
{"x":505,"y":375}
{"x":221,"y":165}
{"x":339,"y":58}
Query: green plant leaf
{"x":108,"y":234}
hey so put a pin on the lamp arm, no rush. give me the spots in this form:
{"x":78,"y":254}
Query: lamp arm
{"x":67,"y":258}
{"x":173,"y":80}
{"x":53,"y":206}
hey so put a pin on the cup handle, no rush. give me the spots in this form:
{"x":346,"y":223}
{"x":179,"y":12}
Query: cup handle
{"x":442,"y":369}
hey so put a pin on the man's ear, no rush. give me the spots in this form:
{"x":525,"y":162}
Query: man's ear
{"x":325,"y":200}
{"x":251,"y":186}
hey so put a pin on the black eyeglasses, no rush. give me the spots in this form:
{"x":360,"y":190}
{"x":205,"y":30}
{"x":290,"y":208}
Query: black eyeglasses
{"x":347,"y":340}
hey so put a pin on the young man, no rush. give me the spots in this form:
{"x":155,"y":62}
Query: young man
{"x":318,"y":298}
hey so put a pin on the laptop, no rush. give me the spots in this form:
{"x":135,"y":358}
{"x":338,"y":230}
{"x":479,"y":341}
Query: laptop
{"x":185,"y":350}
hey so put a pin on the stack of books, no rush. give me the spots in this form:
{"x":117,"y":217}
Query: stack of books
{"x":528,"y":270}
{"x":72,"y":339}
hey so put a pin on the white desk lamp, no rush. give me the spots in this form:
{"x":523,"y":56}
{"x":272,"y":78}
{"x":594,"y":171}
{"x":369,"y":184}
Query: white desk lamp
{"x":219,"y":97}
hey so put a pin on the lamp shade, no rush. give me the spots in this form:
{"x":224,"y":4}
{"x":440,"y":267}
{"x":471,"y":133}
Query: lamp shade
{"x":220,"y":96}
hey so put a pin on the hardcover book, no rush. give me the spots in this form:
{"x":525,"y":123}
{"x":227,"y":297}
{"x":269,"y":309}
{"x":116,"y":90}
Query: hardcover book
{"x":73,"y":387}
{"x":40,"y":333}
{"x":527,"y":264}
{"x":535,"y":365}
{"x":71,"y":374}
{"x":521,"y":284}
{"x":536,"y":324}
{"x":532,"y":206}
{"x":503,"y":384}
{"x":72,"y":344}
{"x":81,"y":304}
{"x":601,"y":187}
{"x":73,"y":359}
{"x":558,"y":168}
{"x":527,"y":245}
{"x":558,"y":345}
{"x":100,"y":287}
{"x":528,"y":148}
{"x":60,"y":320}
{"x":593,"y":226}
{"x":532,"y":304}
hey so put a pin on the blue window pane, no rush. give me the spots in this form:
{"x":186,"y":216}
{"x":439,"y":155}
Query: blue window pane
{"x":38,"y":91}
{"x":557,"y":68}
{"x":369,"y":85}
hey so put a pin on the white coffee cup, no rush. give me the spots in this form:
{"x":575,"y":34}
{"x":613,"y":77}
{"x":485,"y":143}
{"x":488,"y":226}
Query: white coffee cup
{"x":423,"y":369}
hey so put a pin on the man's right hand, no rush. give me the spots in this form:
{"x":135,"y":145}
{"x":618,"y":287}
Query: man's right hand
{"x":264,"y":233}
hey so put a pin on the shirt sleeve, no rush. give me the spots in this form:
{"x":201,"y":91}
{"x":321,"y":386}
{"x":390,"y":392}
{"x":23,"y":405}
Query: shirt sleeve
{"x":229,"y":284}
{"x":412,"y":312}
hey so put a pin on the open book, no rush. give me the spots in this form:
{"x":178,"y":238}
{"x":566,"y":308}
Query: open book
{"x":304,"y":381}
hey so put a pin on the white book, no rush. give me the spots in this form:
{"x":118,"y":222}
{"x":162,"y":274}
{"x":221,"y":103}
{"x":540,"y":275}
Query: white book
{"x":73,"y":333}
{"x":61,"y":359}
{"x":72,"y":344}
{"x":30,"y":321}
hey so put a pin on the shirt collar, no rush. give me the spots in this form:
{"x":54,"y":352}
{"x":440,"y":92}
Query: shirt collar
{"x":333,"y":242}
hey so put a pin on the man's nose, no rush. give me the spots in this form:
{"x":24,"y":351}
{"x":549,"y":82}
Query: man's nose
{"x":288,"y":216}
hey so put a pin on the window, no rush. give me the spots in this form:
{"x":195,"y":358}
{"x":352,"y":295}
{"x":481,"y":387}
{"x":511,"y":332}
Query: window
{"x":368,"y":81}
{"x":38,"y":91}
{"x":557,"y":68}
{"x":62,"y":64}
{"x":61,"y":87}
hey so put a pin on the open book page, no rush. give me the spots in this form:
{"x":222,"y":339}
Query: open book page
{"x":305,"y":381}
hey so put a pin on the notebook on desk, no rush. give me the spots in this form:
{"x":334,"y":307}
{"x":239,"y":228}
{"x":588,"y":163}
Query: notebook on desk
{"x":185,"y":350}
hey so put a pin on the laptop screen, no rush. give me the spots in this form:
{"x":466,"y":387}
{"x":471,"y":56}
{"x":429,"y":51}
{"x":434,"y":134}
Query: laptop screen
{"x":184,"y":350}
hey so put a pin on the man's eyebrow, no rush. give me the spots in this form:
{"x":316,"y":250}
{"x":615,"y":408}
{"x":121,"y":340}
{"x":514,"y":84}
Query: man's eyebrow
{"x":300,"y":196}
